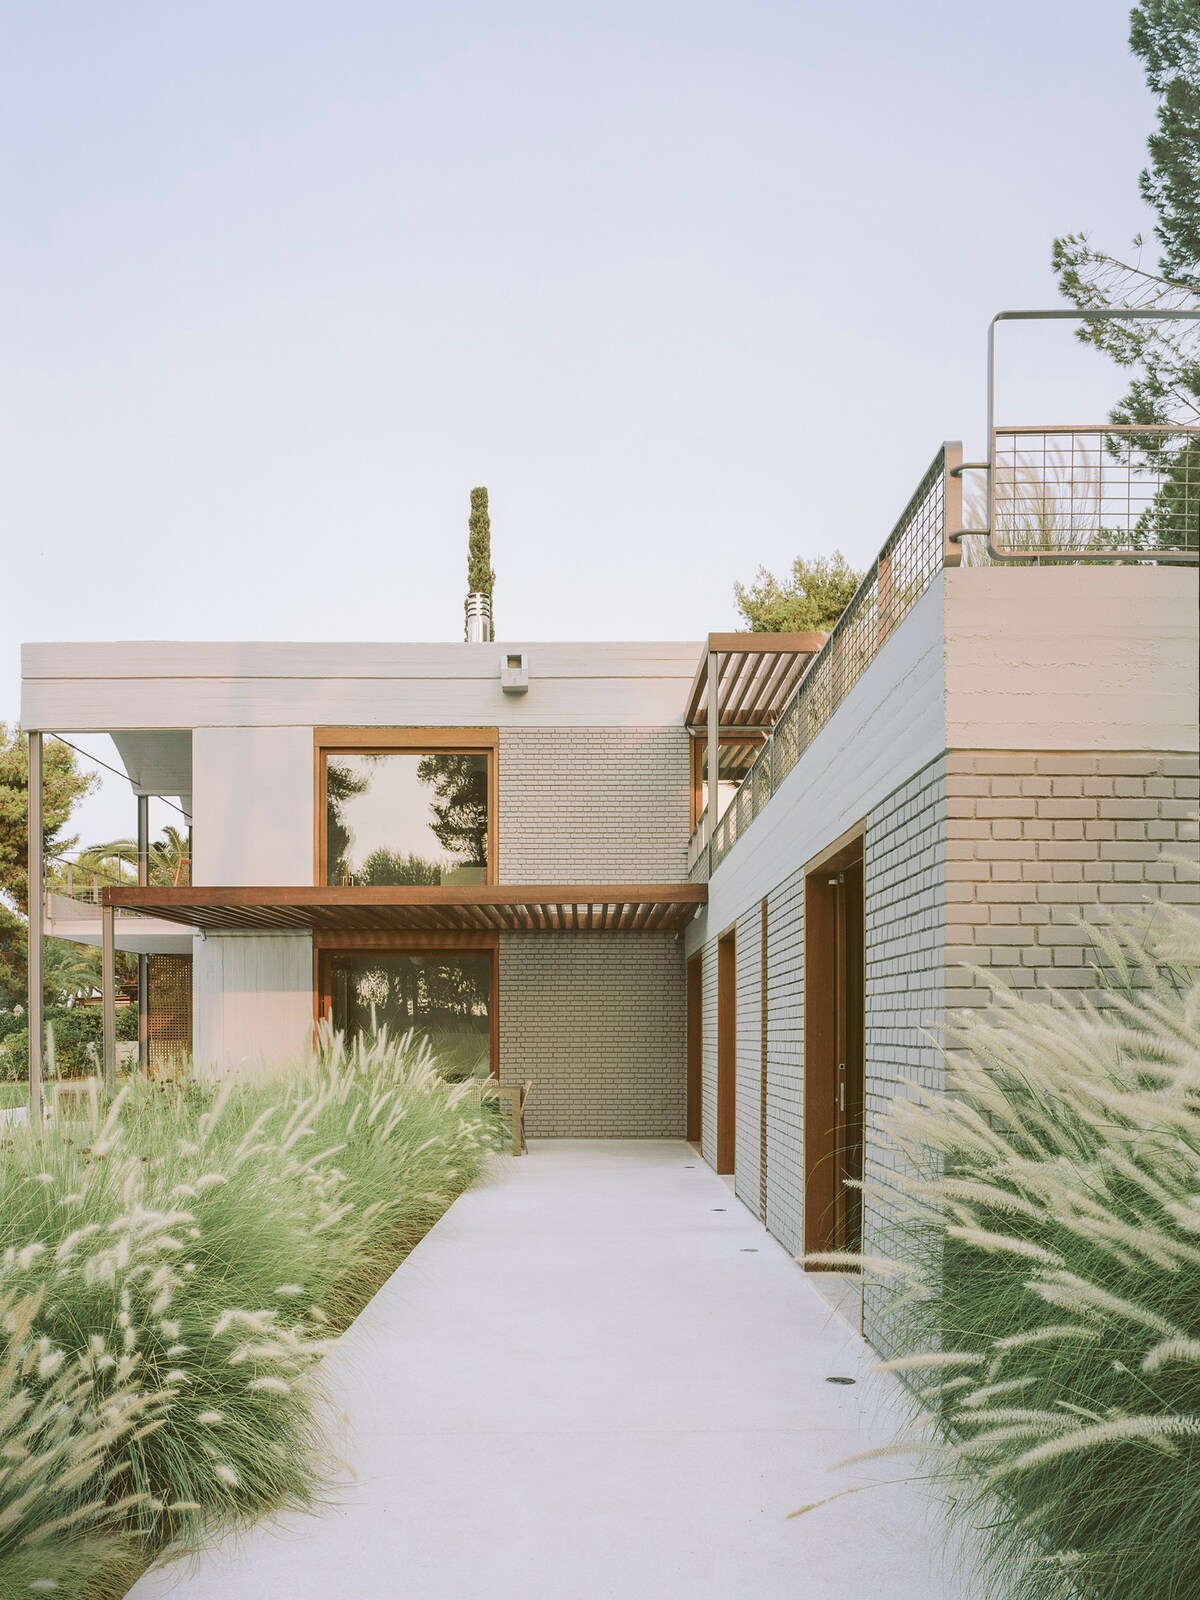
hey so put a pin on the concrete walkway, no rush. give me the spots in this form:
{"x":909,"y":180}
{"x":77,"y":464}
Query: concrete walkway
{"x":599,"y":1376}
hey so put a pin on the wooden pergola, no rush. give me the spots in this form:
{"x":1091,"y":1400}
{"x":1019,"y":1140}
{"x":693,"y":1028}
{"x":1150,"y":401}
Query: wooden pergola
{"x":474,"y":908}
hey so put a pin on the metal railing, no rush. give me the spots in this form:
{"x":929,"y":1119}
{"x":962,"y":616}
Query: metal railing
{"x":1094,"y":493}
{"x":915,"y":552}
{"x":84,"y":883}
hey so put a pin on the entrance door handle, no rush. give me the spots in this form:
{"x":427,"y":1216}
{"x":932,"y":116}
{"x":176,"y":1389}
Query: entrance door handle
{"x":841,"y":1100}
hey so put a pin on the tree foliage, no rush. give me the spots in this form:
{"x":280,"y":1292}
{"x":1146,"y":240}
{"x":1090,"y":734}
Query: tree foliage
{"x":341,"y":784}
{"x":395,"y":867}
{"x":1162,"y":358}
{"x":460,"y":806}
{"x":63,"y":786}
{"x":481,"y":578}
{"x":813,"y":597}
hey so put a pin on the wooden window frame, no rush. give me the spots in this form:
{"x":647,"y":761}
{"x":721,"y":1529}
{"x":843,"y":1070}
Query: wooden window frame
{"x":823,"y":953}
{"x":328,"y":945}
{"x":405,"y":741}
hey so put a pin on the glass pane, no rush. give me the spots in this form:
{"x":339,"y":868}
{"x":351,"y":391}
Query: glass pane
{"x":444,"y":997}
{"x":404,"y":818}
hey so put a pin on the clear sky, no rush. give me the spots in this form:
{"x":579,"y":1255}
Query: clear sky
{"x":689,"y":286}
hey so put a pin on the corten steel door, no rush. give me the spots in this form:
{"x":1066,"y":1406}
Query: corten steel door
{"x":834,"y":1052}
{"x":726,"y":1052}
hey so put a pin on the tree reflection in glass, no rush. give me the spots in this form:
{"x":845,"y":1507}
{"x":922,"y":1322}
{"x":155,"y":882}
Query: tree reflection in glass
{"x":405,"y":818}
{"x":443,"y":997}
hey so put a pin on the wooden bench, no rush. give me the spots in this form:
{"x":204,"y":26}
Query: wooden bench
{"x":516,"y":1094}
{"x":75,"y":1097}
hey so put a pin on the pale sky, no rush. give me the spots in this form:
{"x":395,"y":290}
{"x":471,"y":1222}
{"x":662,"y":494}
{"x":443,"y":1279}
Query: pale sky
{"x":688,"y":286}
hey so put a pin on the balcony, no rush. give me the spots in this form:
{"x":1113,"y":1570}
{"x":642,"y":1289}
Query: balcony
{"x":1075,"y":495}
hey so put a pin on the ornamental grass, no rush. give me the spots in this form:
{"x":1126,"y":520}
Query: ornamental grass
{"x":1047,"y":1310}
{"x":171,"y":1279}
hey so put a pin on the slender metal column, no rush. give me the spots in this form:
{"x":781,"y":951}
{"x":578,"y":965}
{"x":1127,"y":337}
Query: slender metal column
{"x":36,"y":907}
{"x":143,"y":844}
{"x":714,"y":756}
{"x":108,"y":990}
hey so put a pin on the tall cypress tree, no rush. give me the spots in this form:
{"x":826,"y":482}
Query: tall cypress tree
{"x":480,"y":576}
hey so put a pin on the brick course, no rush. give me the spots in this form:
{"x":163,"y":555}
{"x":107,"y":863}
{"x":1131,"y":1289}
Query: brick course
{"x":596,"y":1020}
{"x":1042,"y":843}
{"x":594,"y":805}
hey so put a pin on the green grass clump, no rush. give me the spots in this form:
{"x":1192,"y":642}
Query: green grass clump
{"x":174,"y":1276}
{"x":1048,"y":1312}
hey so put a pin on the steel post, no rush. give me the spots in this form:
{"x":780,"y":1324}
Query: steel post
{"x":108,"y":990}
{"x":143,"y":867}
{"x":35,"y":963}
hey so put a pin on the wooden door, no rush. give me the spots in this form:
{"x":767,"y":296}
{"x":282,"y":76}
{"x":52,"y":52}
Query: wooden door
{"x":834,"y":1052}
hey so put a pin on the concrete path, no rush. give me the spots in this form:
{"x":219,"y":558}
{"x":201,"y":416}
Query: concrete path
{"x":599,"y":1377}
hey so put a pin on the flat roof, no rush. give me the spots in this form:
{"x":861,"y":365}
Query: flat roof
{"x":521,"y":908}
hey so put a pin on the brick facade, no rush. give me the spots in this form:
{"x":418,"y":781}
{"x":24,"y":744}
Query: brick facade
{"x":904,"y":873}
{"x":594,"y":805}
{"x":991,"y":859}
{"x":596,"y":1020}
{"x":1040,"y":844}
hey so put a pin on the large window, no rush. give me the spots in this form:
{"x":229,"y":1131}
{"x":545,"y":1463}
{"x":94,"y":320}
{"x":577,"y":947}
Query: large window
{"x":407,"y":816}
{"x":443,"y":996}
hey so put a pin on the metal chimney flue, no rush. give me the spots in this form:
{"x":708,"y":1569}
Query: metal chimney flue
{"x":479,"y":619}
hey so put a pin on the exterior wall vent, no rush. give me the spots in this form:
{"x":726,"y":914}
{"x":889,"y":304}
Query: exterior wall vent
{"x":479,"y":619}
{"x":514,"y":672}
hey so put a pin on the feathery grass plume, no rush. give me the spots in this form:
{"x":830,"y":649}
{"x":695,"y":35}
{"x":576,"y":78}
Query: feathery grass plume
{"x":1051,"y":1217}
{"x":177,"y":1272}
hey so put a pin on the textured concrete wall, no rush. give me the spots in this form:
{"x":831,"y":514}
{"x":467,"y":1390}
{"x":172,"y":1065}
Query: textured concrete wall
{"x":1039,"y":840}
{"x":252,"y":799}
{"x":597,"y":1021}
{"x":252,"y":999}
{"x":1072,"y":658}
{"x":594,"y":805}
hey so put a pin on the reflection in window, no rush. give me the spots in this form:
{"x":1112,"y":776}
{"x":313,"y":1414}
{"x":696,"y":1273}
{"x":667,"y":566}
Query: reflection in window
{"x":397,"y":818}
{"x":443,"y":997}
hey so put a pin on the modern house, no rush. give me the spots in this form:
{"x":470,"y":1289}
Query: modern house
{"x":515,"y":848}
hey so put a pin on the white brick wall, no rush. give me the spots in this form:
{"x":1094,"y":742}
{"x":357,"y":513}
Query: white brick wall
{"x":749,"y":1057}
{"x":708,"y":1084}
{"x":597,"y":1021}
{"x":905,"y":890}
{"x":594,"y":805}
{"x":785,"y":1063}
{"x":1040,"y":840}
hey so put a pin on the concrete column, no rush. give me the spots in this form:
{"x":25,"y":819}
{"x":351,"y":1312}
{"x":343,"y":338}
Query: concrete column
{"x":108,"y":990}
{"x":36,"y":907}
{"x":143,"y":865}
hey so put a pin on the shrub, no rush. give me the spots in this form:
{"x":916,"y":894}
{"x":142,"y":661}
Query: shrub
{"x":196,"y":1253}
{"x":77,"y":1033}
{"x":1049,"y":1310}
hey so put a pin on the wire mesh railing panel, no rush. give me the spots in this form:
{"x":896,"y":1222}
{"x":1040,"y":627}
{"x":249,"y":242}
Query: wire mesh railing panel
{"x":908,"y":563}
{"x":1058,"y":490}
